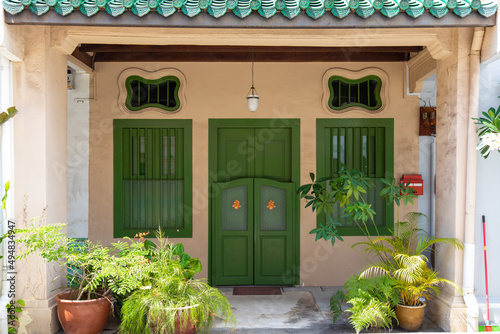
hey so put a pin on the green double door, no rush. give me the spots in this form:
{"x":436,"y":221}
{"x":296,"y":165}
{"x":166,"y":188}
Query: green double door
{"x":254,"y":167}
{"x":253,"y":232}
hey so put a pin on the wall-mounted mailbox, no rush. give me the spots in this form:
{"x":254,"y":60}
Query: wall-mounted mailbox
{"x":414,"y":181}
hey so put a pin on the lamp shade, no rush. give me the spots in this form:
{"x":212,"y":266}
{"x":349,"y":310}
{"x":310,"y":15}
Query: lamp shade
{"x":253,"y":102}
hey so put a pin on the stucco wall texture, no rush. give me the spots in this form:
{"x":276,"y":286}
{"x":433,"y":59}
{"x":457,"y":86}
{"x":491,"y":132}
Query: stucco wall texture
{"x":218,"y":90}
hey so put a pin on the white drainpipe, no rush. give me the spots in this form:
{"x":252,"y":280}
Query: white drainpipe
{"x":470,"y":187}
{"x":433,"y":187}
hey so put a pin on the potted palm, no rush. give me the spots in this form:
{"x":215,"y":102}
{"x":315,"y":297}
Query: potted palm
{"x":399,"y":251}
{"x":170,"y":300}
{"x":403,"y":261}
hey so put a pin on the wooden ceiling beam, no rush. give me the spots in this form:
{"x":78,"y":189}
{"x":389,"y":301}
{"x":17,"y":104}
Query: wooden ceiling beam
{"x":84,"y":57}
{"x":241,"y":49}
{"x":346,"y":56}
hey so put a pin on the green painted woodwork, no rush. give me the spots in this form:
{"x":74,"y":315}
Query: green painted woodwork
{"x":252,"y":149}
{"x":256,"y":152}
{"x":273,"y":231}
{"x":253,"y":252}
{"x":363,"y":144}
{"x":152,"y":177}
{"x":363,"y":92}
{"x":234,"y":246}
{"x":161,"y":93}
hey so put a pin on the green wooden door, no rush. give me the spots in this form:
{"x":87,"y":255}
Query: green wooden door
{"x":253,"y":232}
{"x":273,"y":225}
{"x":260,"y":159}
{"x":233,"y":215}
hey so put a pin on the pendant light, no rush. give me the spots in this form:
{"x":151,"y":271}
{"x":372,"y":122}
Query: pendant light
{"x":252,"y":97}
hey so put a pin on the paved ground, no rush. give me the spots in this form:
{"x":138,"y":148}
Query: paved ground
{"x":299,"y":310}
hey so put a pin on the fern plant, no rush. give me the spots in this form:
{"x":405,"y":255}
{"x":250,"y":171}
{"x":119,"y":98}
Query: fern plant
{"x":170,"y":297}
{"x":368,"y":312}
{"x":372,"y":302}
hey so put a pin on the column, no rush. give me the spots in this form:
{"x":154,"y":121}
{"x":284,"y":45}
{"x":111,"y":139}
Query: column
{"x":40,"y":168}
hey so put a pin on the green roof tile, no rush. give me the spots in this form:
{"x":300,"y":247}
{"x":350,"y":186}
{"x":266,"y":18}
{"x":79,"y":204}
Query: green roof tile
{"x":266,"y":8}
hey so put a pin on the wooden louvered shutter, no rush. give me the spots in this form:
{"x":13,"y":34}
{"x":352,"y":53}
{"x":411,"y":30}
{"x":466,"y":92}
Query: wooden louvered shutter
{"x":362,"y":144}
{"x":152,"y":177}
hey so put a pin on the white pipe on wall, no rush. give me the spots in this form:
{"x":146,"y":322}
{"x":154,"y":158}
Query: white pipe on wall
{"x":470,"y":186}
{"x":433,"y":187}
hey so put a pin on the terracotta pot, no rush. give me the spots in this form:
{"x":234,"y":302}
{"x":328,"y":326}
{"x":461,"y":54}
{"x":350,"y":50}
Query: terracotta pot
{"x":82,"y":316}
{"x":410,"y":317}
{"x":182,"y":326}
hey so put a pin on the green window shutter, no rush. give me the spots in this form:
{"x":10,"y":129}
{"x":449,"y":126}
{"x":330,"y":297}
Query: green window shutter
{"x":161,"y":93}
{"x":363,"y":144}
{"x":152,"y":177}
{"x":363,"y":93}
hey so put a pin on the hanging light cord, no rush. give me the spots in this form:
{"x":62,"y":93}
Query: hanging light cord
{"x":252,"y":64}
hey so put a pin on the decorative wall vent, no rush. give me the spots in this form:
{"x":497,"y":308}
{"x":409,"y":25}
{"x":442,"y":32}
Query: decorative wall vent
{"x":346,"y":90}
{"x":161,"y":93}
{"x":345,"y":93}
{"x":142,"y":91}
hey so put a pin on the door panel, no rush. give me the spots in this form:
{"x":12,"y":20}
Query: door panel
{"x":233,"y":222}
{"x":272,"y":258}
{"x":273,"y":154}
{"x":235,"y":158}
{"x":235,"y":257}
{"x":273,"y":226}
{"x":254,"y":152}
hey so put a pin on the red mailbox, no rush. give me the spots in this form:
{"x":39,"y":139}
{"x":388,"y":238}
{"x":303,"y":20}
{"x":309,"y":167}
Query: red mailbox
{"x":414,"y":181}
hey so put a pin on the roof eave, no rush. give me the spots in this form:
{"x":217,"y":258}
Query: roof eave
{"x":204,"y":20}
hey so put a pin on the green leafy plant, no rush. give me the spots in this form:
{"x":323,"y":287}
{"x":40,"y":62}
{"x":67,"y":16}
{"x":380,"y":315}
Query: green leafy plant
{"x":5,"y":116}
{"x":170,"y":296}
{"x":402,"y":258}
{"x":14,"y":307}
{"x":349,"y":190}
{"x":372,"y":302}
{"x":4,"y":209}
{"x":155,"y":281}
{"x":87,"y":262}
{"x":400,"y":263}
{"x":489,"y":132}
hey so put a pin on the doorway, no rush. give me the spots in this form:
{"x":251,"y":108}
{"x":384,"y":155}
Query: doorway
{"x":254,"y":174}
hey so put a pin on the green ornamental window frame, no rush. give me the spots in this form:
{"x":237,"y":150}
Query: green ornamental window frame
{"x":354,"y":91}
{"x":153,"y":83}
{"x":329,"y":159}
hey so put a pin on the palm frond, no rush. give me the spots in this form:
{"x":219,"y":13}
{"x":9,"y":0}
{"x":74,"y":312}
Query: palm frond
{"x":425,"y":243}
{"x":375,"y":270}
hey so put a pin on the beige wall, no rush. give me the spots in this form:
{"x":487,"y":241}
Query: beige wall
{"x":218,"y":90}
